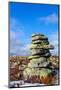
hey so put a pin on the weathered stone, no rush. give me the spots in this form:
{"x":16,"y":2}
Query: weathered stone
{"x":39,"y":65}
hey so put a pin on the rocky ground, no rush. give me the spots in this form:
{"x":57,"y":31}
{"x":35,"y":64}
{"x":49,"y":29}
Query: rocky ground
{"x":17,"y":64}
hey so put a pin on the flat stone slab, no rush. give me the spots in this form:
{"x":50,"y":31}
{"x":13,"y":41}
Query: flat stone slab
{"x":36,"y":46}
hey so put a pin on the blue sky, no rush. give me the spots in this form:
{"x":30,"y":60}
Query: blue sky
{"x":26,"y":19}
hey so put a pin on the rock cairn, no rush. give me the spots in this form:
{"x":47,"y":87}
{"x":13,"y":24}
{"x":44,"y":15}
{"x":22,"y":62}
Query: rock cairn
{"x":39,"y":69}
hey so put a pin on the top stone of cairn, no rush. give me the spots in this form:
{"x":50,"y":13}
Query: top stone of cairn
{"x":38,"y":36}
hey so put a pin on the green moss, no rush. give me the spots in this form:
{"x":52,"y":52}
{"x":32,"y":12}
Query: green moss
{"x":45,"y":72}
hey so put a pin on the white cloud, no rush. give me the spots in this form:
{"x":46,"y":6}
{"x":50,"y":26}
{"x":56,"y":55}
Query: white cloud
{"x":17,"y":47}
{"x":53,"y":38}
{"x":53,"y":18}
{"x":16,"y":28}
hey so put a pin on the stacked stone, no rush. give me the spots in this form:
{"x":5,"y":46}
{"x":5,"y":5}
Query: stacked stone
{"x":40,"y":51}
{"x":39,"y":68}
